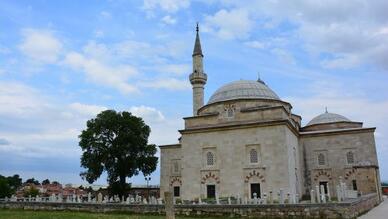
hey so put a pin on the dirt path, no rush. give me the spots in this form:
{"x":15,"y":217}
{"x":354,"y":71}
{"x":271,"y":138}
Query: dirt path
{"x":378,"y":212}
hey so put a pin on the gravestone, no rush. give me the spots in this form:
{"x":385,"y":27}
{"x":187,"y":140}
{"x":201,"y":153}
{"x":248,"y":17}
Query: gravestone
{"x":255,"y":201}
{"x":323,"y":195}
{"x":270,"y":197}
{"x":318,"y":194}
{"x":328,"y":194}
{"x":99,"y":198}
{"x":265,"y":198}
{"x":229,"y":201}
{"x":217,"y":199}
{"x":281,"y":196}
{"x":169,"y":205}
{"x":312,"y":196}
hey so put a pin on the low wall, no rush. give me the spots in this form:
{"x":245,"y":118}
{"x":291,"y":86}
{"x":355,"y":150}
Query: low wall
{"x":349,"y":209}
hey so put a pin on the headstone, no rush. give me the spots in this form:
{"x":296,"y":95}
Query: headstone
{"x":318,"y":194}
{"x":99,"y":198}
{"x":245,"y":200}
{"x":339,"y":195}
{"x":270,"y":197}
{"x":217,"y":199}
{"x":145,"y":201}
{"x":296,"y":198}
{"x":265,"y":198}
{"x":255,"y":201}
{"x":89,"y":197}
{"x":323,"y":195}
{"x":199,"y":200}
{"x":229,"y":201}
{"x":288,"y":198}
{"x":169,"y":205}
{"x":238,"y":199}
{"x":328,"y":193}
{"x":13,"y":198}
{"x":312,"y":196}
{"x":281,"y":196}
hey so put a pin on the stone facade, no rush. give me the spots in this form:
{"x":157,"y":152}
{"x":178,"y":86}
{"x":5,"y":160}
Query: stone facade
{"x":246,"y":140}
{"x":350,"y":209}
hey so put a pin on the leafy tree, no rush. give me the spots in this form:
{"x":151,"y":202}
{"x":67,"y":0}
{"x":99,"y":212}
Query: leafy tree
{"x":33,"y":181}
{"x":14,"y":182}
{"x":5,"y":189}
{"x":32,"y":191}
{"x":116,"y":142}
{"x":45,"y":182}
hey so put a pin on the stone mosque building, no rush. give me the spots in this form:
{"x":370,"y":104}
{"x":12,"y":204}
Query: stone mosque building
{"x":247,"y":140}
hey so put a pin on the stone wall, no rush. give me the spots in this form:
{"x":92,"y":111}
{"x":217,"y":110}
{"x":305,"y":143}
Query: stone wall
{"x":350,"y":209}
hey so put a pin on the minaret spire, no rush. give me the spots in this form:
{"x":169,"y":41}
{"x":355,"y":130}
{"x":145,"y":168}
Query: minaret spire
{"x":197,"y":46}
{"x":198,"y":77}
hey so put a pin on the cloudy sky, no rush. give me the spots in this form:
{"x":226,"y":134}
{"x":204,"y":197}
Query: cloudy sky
{"x":62,"y":62}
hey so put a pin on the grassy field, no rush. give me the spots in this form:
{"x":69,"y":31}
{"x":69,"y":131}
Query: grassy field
{"x":20,"y":214}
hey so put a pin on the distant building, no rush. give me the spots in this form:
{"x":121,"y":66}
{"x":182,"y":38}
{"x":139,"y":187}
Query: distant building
{"x":247,"y":140}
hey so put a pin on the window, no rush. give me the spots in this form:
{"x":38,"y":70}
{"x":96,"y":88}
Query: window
{"x":176,"y":167}
{"x":253,"y":156}
{"x":321,"y":159}
{"x":354,"y":185}
{"x":350,"y":157}
{"x":255,"y":189}
{"x":211,"y":191}
{"x":209,"y":158}
{"x":177,"y":191}
{"x":230,"y":112}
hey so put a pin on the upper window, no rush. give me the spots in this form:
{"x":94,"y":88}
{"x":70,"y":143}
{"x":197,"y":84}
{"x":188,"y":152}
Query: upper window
{"x":176,"y":167}
{"x":321,"y":159}
{"x":253,"y":156}
{"x":230,"y":112}
{"x":350,"y":157}
{"x":209,"y":158}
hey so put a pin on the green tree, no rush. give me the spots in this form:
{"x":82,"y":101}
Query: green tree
{"x":33,"y":181}
{"x":5,"y":189}
{"x":45,"y":182}
{"x":116,"y":142}
{"x":32,"y":191}
{"x":14,"y":182}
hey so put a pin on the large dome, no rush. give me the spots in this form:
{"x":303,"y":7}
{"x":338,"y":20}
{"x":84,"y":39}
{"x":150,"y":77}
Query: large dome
{"x":243,"y":89}
{"x":327,"y":118}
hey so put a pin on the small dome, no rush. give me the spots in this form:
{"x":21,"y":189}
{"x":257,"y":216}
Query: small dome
{"x":243,"y":89}
{"x":328,"y":118}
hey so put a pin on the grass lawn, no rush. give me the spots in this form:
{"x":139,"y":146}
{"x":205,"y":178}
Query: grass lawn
{"x":21,"y":214}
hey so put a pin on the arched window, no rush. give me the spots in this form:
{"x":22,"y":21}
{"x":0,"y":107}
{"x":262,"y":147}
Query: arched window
{"x":350,"y":157}
{"x":321,"y":159}
{"x":253,"y":156}
{"x":209,"y":158}
{"x":230,"y":112}
{"x":176,"y":167}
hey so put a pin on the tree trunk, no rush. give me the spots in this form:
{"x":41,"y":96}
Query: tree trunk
{"x":123,"y":186}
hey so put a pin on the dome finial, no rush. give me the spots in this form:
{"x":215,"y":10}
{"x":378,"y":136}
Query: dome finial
{"x":197,"y":29}
{"x":259,"y":78}
{"x":326,"y":109}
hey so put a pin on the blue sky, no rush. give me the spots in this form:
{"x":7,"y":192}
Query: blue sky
{"x":62,"y":62}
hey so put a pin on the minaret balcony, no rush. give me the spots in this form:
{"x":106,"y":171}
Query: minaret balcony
{"x":198,"y":78}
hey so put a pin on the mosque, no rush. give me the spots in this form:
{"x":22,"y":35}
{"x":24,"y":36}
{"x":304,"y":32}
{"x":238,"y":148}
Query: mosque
{"x":247,"y":140}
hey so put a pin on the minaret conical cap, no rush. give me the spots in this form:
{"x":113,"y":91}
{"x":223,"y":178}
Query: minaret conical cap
{"x":197,"y":45}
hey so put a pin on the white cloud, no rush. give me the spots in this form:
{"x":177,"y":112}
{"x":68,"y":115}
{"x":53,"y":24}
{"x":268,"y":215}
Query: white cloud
{"x":168,"y":20}
{"x":4,"y":141}
{"x":167,"y":83}
{"x":86,"y":109}
{"x":97,"y":72}
{"x":40,"y":45}
{"x":149,"y":114}
{"x":256,"y":44}
{"x":235,"y":23}
{"x":284,"y":56}
{"x":166,"y":5}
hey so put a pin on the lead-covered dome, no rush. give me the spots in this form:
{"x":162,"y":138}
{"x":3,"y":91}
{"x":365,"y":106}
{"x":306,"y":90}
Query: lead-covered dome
{"x":243,"y":89}
{"x":328,"y":118}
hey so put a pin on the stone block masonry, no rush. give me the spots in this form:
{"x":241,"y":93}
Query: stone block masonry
{"x":347,"y":210}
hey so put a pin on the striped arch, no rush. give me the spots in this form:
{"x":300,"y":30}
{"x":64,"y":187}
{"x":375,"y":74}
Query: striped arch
{"x":252,"y":174}
{"x":349,"y":173}
{"x":322,"y":173}
{"x":175,"y":179}
{"x":210,"y":175}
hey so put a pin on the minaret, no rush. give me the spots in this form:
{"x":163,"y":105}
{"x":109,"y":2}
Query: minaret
{"x":198,"y":77}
